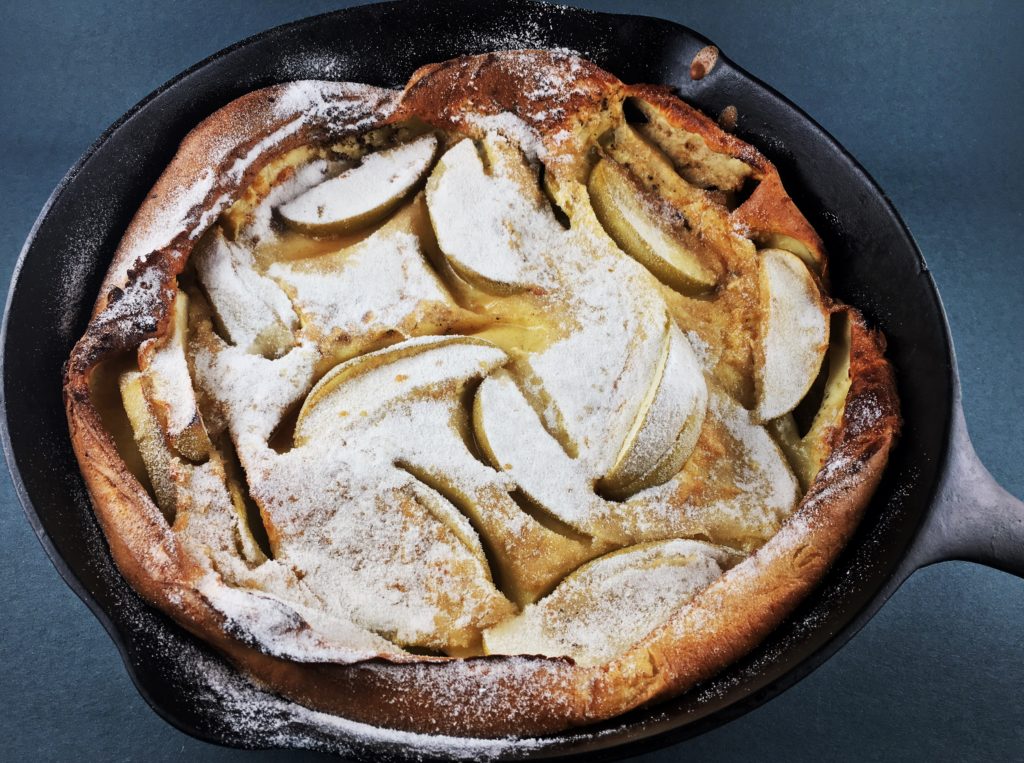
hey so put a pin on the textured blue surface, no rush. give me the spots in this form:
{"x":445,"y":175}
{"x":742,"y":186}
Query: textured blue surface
{"x":927,"y":96}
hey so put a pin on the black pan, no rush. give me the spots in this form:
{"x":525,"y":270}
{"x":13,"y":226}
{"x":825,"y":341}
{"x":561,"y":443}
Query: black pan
{"x":936,"y":502}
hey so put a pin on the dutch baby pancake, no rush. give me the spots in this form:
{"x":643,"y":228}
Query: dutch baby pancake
{"x":497,"y":405}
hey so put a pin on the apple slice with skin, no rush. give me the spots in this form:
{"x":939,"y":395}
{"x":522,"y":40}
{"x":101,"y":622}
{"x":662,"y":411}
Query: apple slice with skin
{"x":528,"y":556}
{"x":740,"y":501}
{"x":494,"y":229}
{"x":364,"y":194}
{"x":620,"y":204}
{"x":448,"y":514}
{"x":528,"y":552}
{"x":156,"y":455}
{"x":251,"y":309}
{"x":352,"y":300}
{"x":667,"y":424}
{"x":357,"y":386}
{"x":794,"y":333}
{"x":168,"y":387}
{"x":612,"y":602}
{"x":513,"y":439}
{"x":807,"y":454}
{"x":173,"y":480}
{"x":397,"y":409}
{"x":656,"y":174}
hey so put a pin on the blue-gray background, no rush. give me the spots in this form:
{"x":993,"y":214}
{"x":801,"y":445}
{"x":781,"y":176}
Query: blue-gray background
{"x":928,"y":96}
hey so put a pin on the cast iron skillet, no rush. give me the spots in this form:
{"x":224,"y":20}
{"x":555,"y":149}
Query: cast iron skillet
{"x":936,"y":501}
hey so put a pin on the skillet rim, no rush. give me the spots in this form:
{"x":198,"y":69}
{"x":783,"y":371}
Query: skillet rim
{"x":640,"y":736}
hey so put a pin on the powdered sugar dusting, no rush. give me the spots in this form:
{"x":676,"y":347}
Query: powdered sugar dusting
{"x":256,"y":391}
{"x":268,"y":720}
{"x":172,"y":385}
{"x":385,"y":506}
{"x":176,"y":207}
{"x":258,"y":227}
{"x":355,"y":525}
{"x":512,"y":128}
{"x":380,"y":180}
{"x":514,"y":240}
{"x":348,"y":439}
{"x":795,"y":333}
{"x":513,"y":433}
{"x":377,"y":285}
{"x":189,"y":206}
{"x":547,"y":92}
{"x":610,"y":604}
{"x":743,"y":499}
{"x":256,"y":314}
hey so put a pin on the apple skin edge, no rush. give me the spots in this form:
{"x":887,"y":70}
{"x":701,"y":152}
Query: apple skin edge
{"x":323,"y":209}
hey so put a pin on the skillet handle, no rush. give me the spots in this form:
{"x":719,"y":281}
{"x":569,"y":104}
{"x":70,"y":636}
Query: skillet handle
{"x":972,"y":518}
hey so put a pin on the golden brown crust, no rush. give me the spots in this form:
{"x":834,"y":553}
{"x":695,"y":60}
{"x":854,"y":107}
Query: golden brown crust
{"x":510,"y":695}
{"x":527,"y":85}
{"x":685,"y":117}
{"x":769,"y":211}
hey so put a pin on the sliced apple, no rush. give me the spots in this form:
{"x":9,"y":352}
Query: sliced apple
{"x":431,"y":374}
{"x":149,"y":437}
{"x":355,"y":299}
{"x":833,"y":402}
{"x":364,"y":194}
{"x":741,"y":500}
{"x":289,"y":173}
{"x":494,"y":229}
{"x":690,"y":153}
{"x":794,"y":333}
{"x":251,"y":309}
{"x":513,"y":439}
{"x":445,"y":512}
{"x":529,"y":555}
{"x":168,"y":387}
{"x":656,"y":174}
{"x":808,"y":454}
{"x":610,"y":603}
{"x":631,"y":219}
{"x":667,"y":423}
{"x":811,"y":258}
{"x":358,"y":388}
{"x":396,"y":408}
{"x":385,"y":560}
{"x":182,"y":488}
{"x":247,"y":546}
